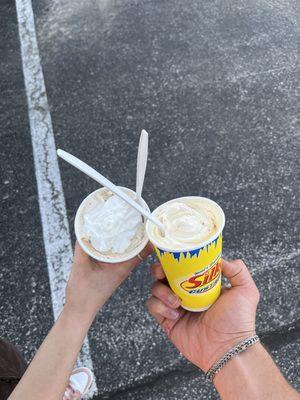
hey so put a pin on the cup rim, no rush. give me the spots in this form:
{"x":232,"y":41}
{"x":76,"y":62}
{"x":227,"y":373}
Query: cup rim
{"x":202,"y":244}
{"x":114,"y":260}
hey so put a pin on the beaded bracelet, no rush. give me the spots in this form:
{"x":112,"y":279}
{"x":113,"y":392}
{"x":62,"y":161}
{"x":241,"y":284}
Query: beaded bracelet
{"x":242,"y":346}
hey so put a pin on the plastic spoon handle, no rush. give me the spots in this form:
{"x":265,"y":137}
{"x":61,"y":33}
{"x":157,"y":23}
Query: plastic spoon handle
{"x":141,"y":164}
{"x":92,"y":173}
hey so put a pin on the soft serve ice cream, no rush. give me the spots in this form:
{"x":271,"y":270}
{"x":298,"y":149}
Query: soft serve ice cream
{"x":187,"y":221}
{"x":111,"y":225}
{"x":108,"y":227}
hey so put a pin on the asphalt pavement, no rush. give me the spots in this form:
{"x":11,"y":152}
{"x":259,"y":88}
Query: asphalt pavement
{"x":214,"y":84}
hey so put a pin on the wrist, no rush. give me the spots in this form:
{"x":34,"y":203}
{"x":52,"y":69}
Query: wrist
{"x":239,"y":366}
{"x":218,"y":349}
{"x":252,"y":374}
{"x":78,"y":315}
{"x":233,"y":352}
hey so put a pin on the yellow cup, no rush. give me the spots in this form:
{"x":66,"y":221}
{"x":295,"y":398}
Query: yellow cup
{"x":194,"y":274}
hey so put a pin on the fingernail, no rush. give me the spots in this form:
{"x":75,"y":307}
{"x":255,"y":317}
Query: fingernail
{"x":173,"y":299}
{"x":174,"y":314}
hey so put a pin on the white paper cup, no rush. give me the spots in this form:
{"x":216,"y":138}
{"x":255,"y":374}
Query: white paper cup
{"x":117,"y":258}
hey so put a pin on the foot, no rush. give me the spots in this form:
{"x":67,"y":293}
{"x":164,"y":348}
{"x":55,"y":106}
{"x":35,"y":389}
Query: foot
{"x":80,"y":382}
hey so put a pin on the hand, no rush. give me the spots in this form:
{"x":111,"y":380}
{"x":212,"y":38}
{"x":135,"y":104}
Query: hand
{"x":206,"y":336}
{"x":91,"y":283}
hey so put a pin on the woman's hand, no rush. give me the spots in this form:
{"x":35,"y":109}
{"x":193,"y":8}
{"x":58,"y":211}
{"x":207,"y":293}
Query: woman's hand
{"x":206,"y":336}
{"x":91,"y":283}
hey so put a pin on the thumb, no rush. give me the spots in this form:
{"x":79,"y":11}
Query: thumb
{"x":237,"y":273}
{"x":79,"y":254}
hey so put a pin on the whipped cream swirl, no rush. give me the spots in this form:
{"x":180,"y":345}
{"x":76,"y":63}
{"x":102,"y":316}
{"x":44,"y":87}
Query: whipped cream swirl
{"x":111,"y":225}
{"x":188,"y":223}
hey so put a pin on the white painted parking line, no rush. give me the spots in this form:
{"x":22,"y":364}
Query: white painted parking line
{"x":55,"y":226}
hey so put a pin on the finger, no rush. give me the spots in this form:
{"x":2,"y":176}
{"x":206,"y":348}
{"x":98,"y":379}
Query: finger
{"x":147,"y":250}
{"x":142,"y":254}
{"x":79,"y":254}
{"x":158,"y":318}
{"x":166,"y":324}
{"x":160,"y":310}
{"x":133,"y":262}
{"x":237,"y":273}
{"x":165,"y":294}
{"x":157,"y":271}
{"x":224,"y":290}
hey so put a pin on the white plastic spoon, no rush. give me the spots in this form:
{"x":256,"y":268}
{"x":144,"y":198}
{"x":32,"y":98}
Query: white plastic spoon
{"x":141,"y":164}
{"x":92,"y":173}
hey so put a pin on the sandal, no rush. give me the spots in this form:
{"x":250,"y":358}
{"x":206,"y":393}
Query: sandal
{"x":80,"y":382}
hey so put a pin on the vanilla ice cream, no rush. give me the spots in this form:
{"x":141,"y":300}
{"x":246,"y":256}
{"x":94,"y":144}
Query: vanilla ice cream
{"x":111,"y":225}
{"x":108,"y":227}
{"x":188,"y":222}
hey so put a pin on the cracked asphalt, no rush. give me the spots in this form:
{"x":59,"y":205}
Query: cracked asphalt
{"x":214,"y":83}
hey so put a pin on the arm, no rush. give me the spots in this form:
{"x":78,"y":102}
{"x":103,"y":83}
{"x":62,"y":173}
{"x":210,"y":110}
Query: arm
{"x":205,"y":337}
{"x":48,"y":374}
{"x":90,"y":285}
{"x":254,"y":374}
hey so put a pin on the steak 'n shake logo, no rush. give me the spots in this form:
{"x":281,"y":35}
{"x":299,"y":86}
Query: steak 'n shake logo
{"x":203,"y":282}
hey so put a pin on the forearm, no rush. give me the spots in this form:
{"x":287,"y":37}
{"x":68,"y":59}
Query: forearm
{"x":48,"y":374}
{"x":253,"y":375}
